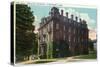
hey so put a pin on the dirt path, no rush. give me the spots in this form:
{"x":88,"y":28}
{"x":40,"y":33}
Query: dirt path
{"x":73,"y":59}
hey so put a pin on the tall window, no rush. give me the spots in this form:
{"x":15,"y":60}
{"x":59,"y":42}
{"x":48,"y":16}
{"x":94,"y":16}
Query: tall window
{"x":82,"y":39}
{"x":51,"y":25}
{"x":78,"y":39}
{"x":69,"y":38}
{"x":49,"y":28}
{"x":64,"y":37}
{"x":57,"y":26}
{"x":69,"y":30}
{"x":74,"y":31}
{"x":64,"y":28}
{"x":74,"y":39}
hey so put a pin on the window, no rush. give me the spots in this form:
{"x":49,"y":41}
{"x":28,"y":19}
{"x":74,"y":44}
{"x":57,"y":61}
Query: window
{"x":64,"y":19}
{"x":78,"y":39}
{"x":64,"y":37}
{"x":69,"y":29}
{"x":51,"y":25}
{"x":49,"y":28}
{"x":68,"y":20}
{"x":69,"y":47}
{"x":57,"y":26}
{"x":69,"y":39}
{"x":64,"y":28}
{"x":74,"y":39}
{"x":74,"y":31}
{"x":82,"y":39}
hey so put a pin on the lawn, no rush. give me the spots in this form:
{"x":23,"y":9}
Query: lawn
{"x":37,"y":62}
{"x":43,"y":61}
{"x":89,"y":56}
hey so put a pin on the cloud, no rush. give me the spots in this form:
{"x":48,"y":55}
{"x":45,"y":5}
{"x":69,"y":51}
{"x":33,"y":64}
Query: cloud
{"x":92,"y":34}
{"x":84,"y":16}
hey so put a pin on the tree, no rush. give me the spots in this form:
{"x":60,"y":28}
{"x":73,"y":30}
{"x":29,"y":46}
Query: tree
{"x":60,"y":49}
{"x":35,"y":49}
{"x":91,"y":46}
{"x":25,"y":36}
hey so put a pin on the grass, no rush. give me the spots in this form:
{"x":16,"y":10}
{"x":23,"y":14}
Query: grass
{"x":89,"y":56}
{"x":37,"y":62}
{"x":43,"y":61}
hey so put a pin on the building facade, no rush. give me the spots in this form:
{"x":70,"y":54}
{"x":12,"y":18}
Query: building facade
{"x":61,"y":36}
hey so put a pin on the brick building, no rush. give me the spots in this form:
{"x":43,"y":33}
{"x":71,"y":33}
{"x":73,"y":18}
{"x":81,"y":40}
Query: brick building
{"x":61,"y":36}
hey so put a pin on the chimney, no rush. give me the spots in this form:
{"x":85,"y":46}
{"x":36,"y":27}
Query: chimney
{"x":49,"y":13}
{"x":62,"y":12}
{"x":84,"y":22}
{"x":67,"y":14}
{"x":76,"y":18}
{"x":80,"y":20}
{"x":72,"y":16}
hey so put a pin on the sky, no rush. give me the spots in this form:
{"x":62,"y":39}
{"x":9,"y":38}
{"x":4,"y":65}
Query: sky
{"x":88,"y":14}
